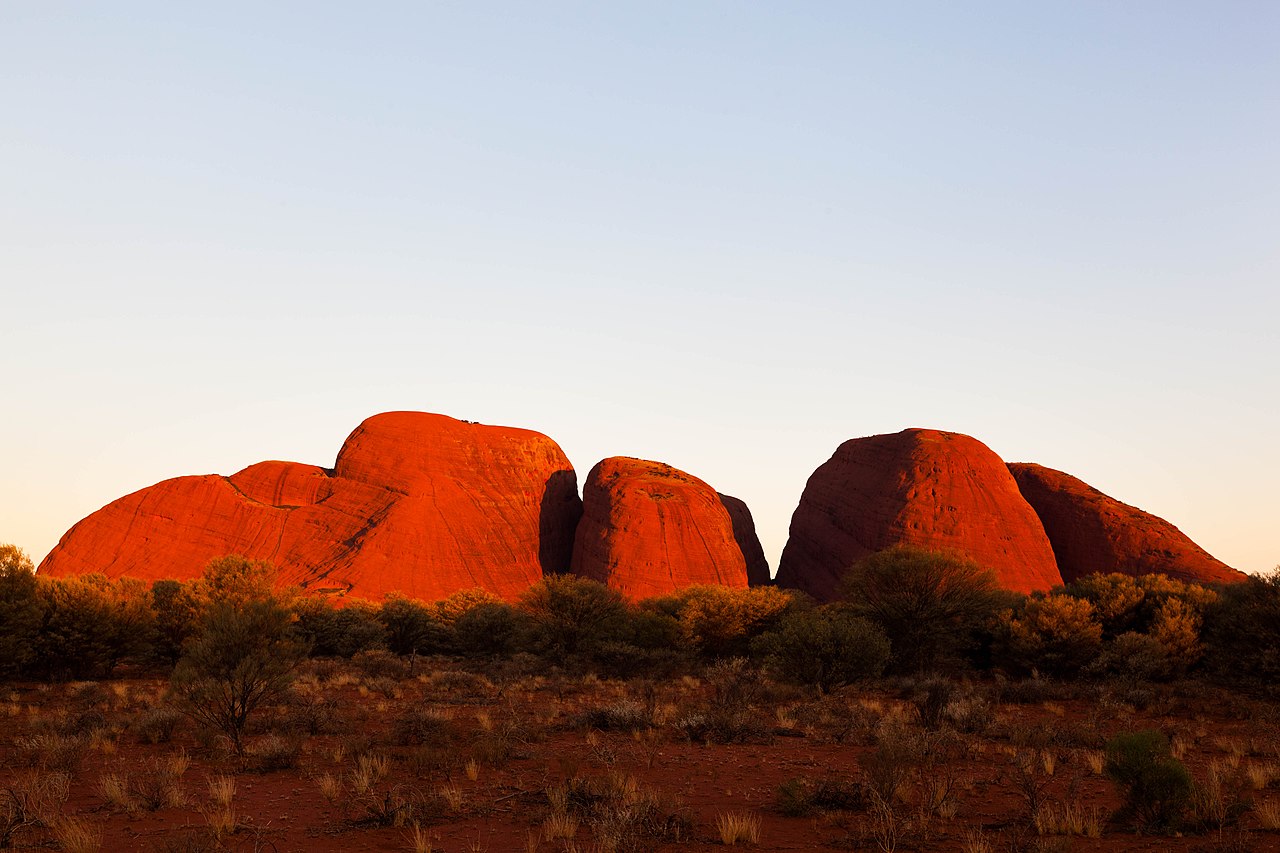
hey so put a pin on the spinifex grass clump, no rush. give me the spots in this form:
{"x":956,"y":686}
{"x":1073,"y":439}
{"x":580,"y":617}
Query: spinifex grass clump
{"x":1156,"y":785}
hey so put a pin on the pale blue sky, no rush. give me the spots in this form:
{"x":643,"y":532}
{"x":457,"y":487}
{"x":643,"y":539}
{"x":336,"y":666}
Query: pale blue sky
{"x":723,"y":235}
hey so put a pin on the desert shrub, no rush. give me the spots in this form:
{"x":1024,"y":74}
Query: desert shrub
{"x":21,"y":611}
{"x":338,"y":632}
{"x":312,"y":715}
{"x":931,"y":696}
{"x":275,"y":752}
{"x":1123,"y":603}
{"x":1155,"y":785}
{"x":489,"y":630}
{"x":156,"y":725}
{"x":1219,"y":798}
{"x":825,"y":647}
{"x":422,"y":726}
{"x":1057,"y":634}
{"x":1242,"y":633}
{"x":624,"y":716}
{"x":719,"y":621}
{"x":1135,"y":658}
{"x":176,"y":609}
{"x":569,"y":615}
{"x":448,"y":610}
{"x":241,"y":658}
{"x":411,"y":626}
{"x":900,"y":749}
{"x":804,"y":797}
{"x":235,"y":580}
{"x":90,"y":624}
{"x":929,"y":604}
{"x":380,"y":664}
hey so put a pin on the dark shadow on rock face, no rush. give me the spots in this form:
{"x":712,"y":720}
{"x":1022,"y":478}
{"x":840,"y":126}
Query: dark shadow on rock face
{"x":558,"y":522}
{"x":744,"y":533}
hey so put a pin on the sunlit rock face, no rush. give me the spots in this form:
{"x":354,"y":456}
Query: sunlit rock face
{"x":1094,"y":533}
{"x":417,"y":503}
{"x":649,"y":529}
{"x":919,"y":487}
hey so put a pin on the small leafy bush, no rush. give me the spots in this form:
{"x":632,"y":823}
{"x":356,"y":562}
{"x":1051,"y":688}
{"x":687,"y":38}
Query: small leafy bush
{"x":1156,"y":786}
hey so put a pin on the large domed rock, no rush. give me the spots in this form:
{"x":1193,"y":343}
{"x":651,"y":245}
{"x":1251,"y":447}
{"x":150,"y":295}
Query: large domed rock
{"x":930,"y":489}
{"x":419,"y":503}
{"x":1092,"y":532}
{"x":648,"y":529}
{"x":744,"y":531}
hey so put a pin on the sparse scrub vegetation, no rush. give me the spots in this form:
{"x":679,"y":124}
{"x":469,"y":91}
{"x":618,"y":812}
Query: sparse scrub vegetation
{"x":411,"y":719}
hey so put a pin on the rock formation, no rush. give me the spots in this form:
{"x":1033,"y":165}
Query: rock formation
{"x":744,"y":531}
{"x":1092,"y":532}
{"x":648,"y":529}
{"x":419,"y":503}
{"x":917,"y":487}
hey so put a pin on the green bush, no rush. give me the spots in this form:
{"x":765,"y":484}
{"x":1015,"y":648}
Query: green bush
{"x":176,"y":610}
{"x":20,"y":611}
{"x":570,"y":615}
{"x":1155,"y":785}
{"x":1242,"y":633}
{"x":489,"y":630}
{"x":90,"y":624}
{"x":825,"y":647}
{"x":243,"y":654}
{"x":1055,"y":634}
{"x":930,"y":604}
{"x":411,"y":626}
{"x":338,"y":632}
{"x":719,"y":621}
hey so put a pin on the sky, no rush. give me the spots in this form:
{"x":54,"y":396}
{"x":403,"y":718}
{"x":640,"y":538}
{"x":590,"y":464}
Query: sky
{"x":723,"y":235}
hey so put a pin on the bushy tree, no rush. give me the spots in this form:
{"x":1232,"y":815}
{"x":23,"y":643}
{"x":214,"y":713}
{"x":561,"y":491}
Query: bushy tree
{"x":234,"y":579}
{"x":342,"y":632}
{"x":720,"y":621}
{"x":20,"y":611}
{"x":1242,"y":632}
{"x":928,"y":603}
{"x":243,"y":654}
{"x":90,"y":624}
{"x":411,"y":626}
{"x":570,"y":615}
{"x":1055,"y":634}
{"x":489,"y":630}
{"x":826,"y":647}
{"x":1124,"y":603}
{"x":176,"y":610}
{"x":447,"y":611}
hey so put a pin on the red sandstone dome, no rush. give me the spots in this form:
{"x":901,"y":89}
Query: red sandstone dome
{"x":917,"y":487}
{"x":649,"y":529}
{"x":744,"y":531}
{"x":1092,"y":533}
{"x":419,"y":503}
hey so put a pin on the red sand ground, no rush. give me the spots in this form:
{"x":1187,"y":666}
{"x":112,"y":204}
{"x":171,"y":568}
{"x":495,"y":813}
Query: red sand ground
{"x":526,"y":737}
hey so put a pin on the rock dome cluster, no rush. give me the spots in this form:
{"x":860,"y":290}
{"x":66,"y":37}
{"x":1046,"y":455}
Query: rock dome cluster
{"x":427,"y":505}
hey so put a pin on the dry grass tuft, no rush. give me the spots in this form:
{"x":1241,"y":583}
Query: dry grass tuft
{"x":560,"y":824}
{"x":1268,"y":814}
{"x":77,"y":835}
{"x":735,"y":827}
{"x":1069,"y":819}
{"x":222,"y":789}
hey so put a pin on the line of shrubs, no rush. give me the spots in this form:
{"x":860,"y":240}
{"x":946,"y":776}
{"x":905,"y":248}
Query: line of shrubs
{"x":903,"y":610}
